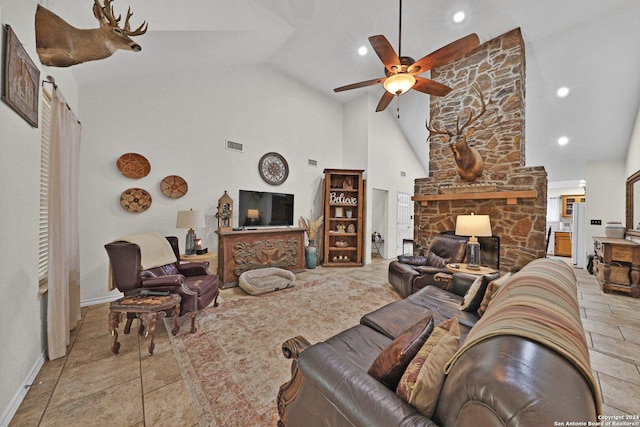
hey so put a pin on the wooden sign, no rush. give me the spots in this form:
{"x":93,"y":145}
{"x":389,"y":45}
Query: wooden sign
{"x":342,"y":199}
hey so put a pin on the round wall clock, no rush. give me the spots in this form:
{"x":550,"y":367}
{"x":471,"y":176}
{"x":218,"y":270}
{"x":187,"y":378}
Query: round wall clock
{"x":273,"y":168}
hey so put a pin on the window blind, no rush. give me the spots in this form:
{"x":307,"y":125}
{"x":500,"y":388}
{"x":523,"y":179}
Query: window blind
{"x":43,"y":227}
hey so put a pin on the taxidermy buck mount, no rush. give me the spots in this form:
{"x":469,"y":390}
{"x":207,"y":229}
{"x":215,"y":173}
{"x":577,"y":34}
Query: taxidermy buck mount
{"x":61,"y":45}
{"x":402,"y":72}
{"x":469,"y":164}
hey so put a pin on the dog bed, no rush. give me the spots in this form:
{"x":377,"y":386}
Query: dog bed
{"x":263,"y":280}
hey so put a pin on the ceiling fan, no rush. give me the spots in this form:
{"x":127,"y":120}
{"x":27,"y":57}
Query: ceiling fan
{"x":402,"y":72}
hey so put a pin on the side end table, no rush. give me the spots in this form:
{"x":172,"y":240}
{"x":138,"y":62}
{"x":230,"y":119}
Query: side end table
{"x":148,"y":309}
{"x":212,"y":257}
{"x":463,"y":268}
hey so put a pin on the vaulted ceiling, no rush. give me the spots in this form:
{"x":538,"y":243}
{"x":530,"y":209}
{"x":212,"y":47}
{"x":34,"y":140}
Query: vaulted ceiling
{"x":589,"y":46}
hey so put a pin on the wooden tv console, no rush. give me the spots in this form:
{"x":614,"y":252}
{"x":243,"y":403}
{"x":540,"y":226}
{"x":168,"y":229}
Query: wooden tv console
{"x":244,"y":250}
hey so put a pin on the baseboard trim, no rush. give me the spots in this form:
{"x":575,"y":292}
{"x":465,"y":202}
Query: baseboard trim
{"x":22,"y":392}
{"x":101,"y":300}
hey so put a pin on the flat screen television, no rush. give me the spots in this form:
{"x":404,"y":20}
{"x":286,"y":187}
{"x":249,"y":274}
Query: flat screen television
{"x":264,"y":209}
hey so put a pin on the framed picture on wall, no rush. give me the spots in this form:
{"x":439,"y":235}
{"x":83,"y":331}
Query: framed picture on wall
{"x":21,"y":77}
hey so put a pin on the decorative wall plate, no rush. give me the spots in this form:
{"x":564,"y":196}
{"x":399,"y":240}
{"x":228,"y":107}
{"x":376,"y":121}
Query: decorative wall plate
{"x":273,"y":168}
{"x":135,"y":200}
{"x":133,"y":165}
{"x":174,"y":186}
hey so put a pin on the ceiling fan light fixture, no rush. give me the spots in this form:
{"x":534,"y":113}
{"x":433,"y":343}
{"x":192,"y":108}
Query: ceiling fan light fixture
{"x":397,"y":84}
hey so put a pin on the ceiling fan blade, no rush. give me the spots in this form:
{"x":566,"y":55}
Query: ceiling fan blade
{"x":445,"y":54}
{"x":360,"y":84}
{"x":385,"y":51}
{"x":431,"y":87}
{"x":384,"y":101}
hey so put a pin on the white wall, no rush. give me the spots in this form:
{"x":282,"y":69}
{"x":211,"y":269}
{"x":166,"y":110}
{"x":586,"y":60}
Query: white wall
{"x":633,"y":154}
{"x":392,"y":166}
{"x":633,"y":158}
{"x":356,"y":135}
{"x":180,"y":123}
{"x":23,"y":315}
{"x":605,"y":197}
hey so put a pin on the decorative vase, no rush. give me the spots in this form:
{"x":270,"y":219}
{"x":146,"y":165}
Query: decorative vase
{"x":614,"y":229}
{"x":311,"y":255}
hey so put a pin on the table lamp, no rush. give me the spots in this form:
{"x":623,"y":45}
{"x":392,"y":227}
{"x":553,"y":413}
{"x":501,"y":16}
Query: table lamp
{"x":190,"y":219}
{"x":252,"y":216}
{"x":474,"y":226}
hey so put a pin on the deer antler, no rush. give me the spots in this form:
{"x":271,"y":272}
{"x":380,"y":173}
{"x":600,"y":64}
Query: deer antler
{"x":472,"y":119}
{"x":105,"y":14}
{"x":139,"y":31}
{"x":433,"y":130}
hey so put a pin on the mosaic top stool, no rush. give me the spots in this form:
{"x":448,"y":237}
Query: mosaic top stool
{"x":149,"y":309}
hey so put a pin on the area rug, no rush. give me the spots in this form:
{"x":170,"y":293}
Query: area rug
{"x":233,"y":365}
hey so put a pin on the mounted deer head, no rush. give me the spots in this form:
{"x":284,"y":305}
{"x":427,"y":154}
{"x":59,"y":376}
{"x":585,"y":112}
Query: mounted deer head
{"x":469,"y":163}
{"x":61,"y":45}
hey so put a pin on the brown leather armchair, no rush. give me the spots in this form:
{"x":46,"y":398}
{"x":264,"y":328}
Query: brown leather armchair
{"x":192,"y":281}
{"x":411,"y":273}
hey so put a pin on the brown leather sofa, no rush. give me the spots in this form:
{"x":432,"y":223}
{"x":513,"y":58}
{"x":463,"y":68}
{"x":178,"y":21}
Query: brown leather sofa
{"x":503,"y":380}
{"x":192,"y":281}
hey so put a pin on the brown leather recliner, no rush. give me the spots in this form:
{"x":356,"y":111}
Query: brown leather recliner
{"x":192,"y":281}
{"x":410,"y":273}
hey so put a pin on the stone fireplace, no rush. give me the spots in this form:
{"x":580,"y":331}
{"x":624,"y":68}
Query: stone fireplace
{"x":514,"y":196}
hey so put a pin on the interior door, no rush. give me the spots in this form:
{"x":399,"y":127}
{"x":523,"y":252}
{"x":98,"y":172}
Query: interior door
{"x":404,"y":229}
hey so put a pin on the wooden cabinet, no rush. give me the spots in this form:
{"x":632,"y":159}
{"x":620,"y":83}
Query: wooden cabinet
{"x":617,"y":265}
{"x":240,"y":251}
{"x":562,"y":243}
{"x":568,"y":201}
{"x":343,"y":210}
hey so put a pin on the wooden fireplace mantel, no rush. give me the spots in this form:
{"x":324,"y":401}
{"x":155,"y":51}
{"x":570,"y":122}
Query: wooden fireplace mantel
{"x":511,"y":196}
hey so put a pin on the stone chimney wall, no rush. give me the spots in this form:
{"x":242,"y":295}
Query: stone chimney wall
{"x":514,"y":196}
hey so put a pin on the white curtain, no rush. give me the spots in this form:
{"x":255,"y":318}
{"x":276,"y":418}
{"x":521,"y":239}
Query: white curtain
{"x":63,"y":310}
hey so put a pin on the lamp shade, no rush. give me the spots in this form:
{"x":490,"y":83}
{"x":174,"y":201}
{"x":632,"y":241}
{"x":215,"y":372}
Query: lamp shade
{"x":253,"y":213}
{"x":190,"y":219}
{"x":473,"y":225}
{"x":398,"y":84}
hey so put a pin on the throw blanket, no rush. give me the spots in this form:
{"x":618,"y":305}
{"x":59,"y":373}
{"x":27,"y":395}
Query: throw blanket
{"x":155,"y":251}
{"x":539,"y":303}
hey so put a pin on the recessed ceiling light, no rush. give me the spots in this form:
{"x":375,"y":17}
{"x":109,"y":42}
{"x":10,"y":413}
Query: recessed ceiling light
{"x":362,"y":50}
{"x":459,"y":16}
{"x":563,"y":140}
{"x":562,"y":92}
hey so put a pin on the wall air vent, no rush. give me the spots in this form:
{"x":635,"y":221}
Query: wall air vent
{"x":234,"y":146}
{"x":313,"y":162}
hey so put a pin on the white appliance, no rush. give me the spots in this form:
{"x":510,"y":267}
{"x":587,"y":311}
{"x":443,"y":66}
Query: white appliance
{"x":578,"y":235}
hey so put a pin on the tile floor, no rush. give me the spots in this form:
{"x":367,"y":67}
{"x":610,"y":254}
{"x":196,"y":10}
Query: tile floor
{"x":92,"y":386}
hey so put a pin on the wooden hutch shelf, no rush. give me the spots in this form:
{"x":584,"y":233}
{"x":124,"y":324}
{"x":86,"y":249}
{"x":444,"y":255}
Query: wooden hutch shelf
{"x":511,"y":196}
{"x":343,"y":210}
